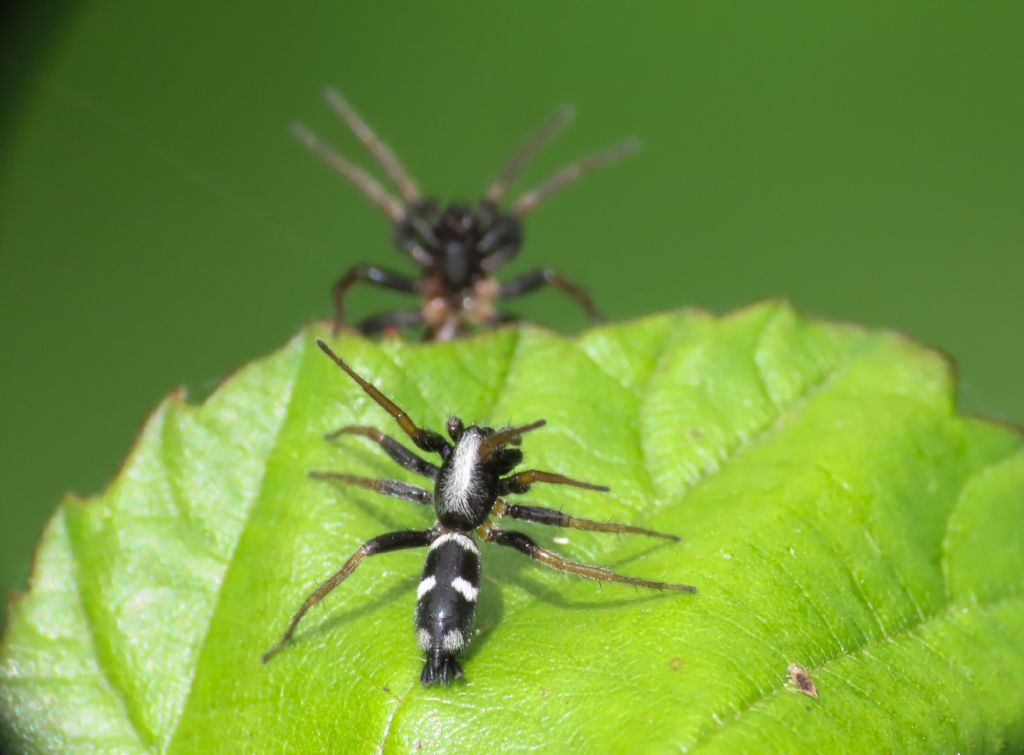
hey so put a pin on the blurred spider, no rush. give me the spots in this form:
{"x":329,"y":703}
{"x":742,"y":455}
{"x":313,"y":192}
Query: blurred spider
{"x":467,"y":491}
{"x":458,"y":248}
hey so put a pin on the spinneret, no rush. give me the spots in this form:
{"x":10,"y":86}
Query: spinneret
{"x":458,"y":248}
{"x":468,"y":488}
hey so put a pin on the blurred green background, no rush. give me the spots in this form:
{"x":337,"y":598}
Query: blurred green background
{"x":158,"y":227}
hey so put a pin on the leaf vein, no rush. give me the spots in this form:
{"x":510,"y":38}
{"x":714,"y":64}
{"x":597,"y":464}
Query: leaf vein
{"x":144,"y":737}
{"x":219,"y":596}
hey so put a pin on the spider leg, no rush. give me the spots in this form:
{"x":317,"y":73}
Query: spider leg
{"x":527,"y":547}
{"x":363,"y":181}
{"x":392,"y":448}
{"x":534,"y":279}
{"x":499,"y":257}
{"x":541,"y":515}
{"x":420,"y":255}
{"x":392,"y":541}
{"x":522,"y":156}
{"x":521,"y":482}
{"x":381,"y":152}
{"x":392,"y":488}
{"x":425,"y":440}
{"x":570,"y":173}
{"x":373,"y":275}
{"x":505,"y":318}
{"x":395,"y":318}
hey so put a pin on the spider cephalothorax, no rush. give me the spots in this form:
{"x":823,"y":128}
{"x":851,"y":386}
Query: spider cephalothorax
{"x":458,"y":248}
{"x":469,"y":485}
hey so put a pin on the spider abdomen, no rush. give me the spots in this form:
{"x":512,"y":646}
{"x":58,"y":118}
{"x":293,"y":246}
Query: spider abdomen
{"x":446,"y":604}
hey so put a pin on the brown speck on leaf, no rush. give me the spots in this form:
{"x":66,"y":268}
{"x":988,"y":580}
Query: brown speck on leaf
{"x":802,"y":680}
{"x":385,"y":689}
{"x":417,"y":745}
{"x":696,"y":434}
{"x":675,"y":663}
{"x":544,"y":693}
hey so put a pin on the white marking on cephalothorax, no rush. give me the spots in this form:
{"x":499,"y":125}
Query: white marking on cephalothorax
{"x":465,"y":589}
{"x":453,"y":641}
{"x":424,"y":638}
{"x":464,"y":540}
{"x":426,"y":585}
{"x":461,"y":483}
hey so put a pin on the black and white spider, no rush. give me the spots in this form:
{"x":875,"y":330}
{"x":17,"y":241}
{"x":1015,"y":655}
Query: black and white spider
{"x":469,"y":486}
{"x":458,"y":248}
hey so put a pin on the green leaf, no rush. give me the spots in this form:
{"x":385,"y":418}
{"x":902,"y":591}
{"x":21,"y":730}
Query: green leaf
{"x":836,"y":514}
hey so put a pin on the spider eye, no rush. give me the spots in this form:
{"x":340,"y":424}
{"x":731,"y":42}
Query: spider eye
{"x":455,"y":428}
{"x":458,"y":219}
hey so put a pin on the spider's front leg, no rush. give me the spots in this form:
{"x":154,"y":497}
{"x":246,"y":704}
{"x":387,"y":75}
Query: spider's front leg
{"x":392,"y":541}
{"x":425,"y":440}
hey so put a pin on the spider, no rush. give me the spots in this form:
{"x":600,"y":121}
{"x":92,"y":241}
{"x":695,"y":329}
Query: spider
{"x":469,"y":485}
{"x":457,"y":248}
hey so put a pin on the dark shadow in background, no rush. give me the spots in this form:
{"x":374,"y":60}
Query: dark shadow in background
{"x":28,"y":31}
{"x":27,"y":34}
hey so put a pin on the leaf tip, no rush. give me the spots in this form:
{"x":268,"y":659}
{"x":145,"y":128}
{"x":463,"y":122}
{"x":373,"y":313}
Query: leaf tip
{"x":71,"y":499}
{"x":768,"y":307}
{"x":14,"y":597}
